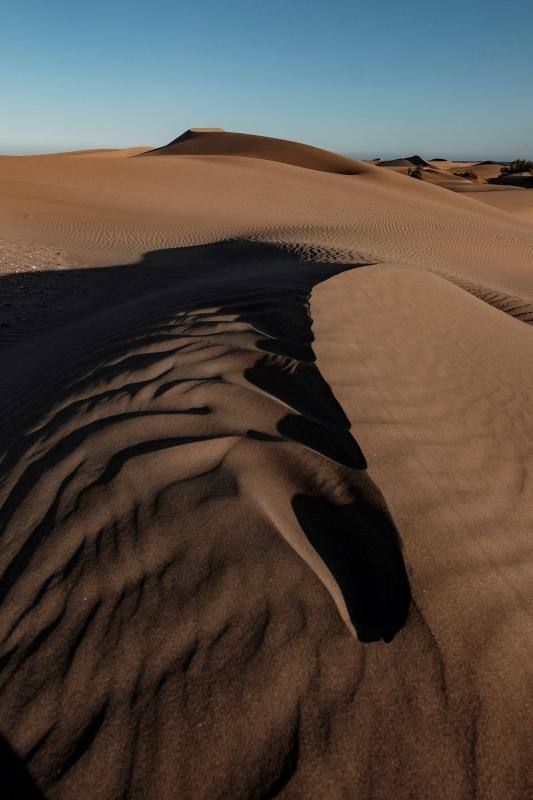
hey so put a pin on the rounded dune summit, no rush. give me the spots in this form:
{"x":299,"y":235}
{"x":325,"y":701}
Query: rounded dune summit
{"x":407,"y":161}
{"x":217,"y":142}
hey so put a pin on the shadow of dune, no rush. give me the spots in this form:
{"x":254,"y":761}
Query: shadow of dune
{"x":16,"y":782}
{"x":190,"y":331}
{"x":168,"y":444}
{"x":360,"y":547}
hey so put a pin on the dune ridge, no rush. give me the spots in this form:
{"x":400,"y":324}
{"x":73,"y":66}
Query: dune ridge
{"x":144,"y":433}
{"x":216,"y":142}
{"x":408,"y":161}
{"x":514,"y":306}
{"x":265,"y":483}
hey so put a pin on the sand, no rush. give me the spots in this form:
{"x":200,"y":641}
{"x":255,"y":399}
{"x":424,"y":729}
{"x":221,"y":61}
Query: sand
{"x":483,"y":185}
{"x":513,"y":200}
{"x":215,"y":141}
{"x":265,"y":498}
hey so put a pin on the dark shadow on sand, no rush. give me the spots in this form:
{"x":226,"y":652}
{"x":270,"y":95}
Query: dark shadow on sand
{"x":16,"y":782}
{"x":242,"y":281}
{"x":361,"y":548}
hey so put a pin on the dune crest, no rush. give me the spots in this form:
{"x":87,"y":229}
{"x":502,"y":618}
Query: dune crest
{"x":217,"y":142}
{"x":407,"y":161}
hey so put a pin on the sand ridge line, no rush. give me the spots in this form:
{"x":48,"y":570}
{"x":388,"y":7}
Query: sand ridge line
{"x":217,"y":142}
{"x":514,"y":306}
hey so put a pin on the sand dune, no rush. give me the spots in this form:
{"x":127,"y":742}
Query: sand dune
{"x":485,"y":169}
{"x":478,"y":179}
{"x":105,"y":152}
{"x":216,"y":142}
{"x":115,"y":210}
{"x":408,"y":161}
{"x":144,"y":437}
{"x":265,"y":493}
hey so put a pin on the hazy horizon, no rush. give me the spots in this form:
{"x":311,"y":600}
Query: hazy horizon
{"x":387,"y":155}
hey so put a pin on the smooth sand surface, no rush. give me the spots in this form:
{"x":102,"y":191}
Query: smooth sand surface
{"x":438,"y":385}
{"x":513,"y":200}
{"x":265,"y":498}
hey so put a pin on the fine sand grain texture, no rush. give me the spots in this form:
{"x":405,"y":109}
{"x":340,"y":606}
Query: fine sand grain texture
{"x":265,"y":484}
{"x":450,"y":447}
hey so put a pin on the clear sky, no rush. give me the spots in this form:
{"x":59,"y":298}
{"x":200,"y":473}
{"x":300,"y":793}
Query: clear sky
{"x":378,"y":78}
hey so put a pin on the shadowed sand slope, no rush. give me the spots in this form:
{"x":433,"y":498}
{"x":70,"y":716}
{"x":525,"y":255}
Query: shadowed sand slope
{"x":215,"y":142}
{"x":174,"y":457}
{"x":15,"y":779}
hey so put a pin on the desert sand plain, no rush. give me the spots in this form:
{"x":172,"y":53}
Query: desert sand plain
{"x":266,"y":493}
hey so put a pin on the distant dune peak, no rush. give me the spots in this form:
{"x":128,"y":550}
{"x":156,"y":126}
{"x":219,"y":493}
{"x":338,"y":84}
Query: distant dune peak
{"x":406,"y":161}
{"x":192,"y":133}
{"x":417,"y":160}
{"x":218,"y":142}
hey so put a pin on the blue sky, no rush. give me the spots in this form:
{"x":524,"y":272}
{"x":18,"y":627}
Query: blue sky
{"x":375,"y":78}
